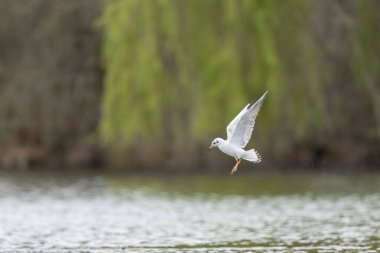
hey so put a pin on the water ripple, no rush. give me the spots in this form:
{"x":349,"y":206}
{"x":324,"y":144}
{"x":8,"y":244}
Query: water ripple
{"x":90,"y":216}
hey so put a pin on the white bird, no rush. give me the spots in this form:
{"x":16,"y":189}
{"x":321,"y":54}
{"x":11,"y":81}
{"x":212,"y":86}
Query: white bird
{"x":239,"y":131}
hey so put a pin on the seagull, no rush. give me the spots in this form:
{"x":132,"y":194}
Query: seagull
{"x":239,"y":131}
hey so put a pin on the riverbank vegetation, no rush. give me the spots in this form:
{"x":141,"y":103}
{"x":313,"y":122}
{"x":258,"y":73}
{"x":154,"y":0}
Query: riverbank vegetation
{"x":148,"y":84}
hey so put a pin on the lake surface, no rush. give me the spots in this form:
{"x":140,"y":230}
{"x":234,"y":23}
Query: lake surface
{"x":244,"y":213}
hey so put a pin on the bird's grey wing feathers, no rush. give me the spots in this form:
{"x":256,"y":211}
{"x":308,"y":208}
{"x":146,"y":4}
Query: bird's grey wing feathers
{"x":246,"y":122}
{"x":232,"y":126}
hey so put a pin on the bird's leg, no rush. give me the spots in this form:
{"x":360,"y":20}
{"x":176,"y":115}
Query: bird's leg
{"x":234,"y":169}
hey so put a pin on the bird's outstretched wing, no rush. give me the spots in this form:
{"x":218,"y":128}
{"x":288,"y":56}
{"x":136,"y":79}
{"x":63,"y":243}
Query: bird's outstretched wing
{"x":239,"y":131}
{"x":232,"y":126}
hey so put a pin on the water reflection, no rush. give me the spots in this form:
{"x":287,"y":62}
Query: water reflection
{"x":113,"y":214}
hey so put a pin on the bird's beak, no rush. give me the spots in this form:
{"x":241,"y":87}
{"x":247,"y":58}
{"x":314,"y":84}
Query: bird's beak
{"x":209,"y":149}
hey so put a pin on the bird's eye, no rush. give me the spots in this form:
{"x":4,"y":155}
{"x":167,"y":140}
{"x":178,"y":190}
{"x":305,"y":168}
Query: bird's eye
{"x":216,"y":141}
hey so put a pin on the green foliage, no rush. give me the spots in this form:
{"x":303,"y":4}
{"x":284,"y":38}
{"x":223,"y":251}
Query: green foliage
{"x":179,"y":70}
{"x":368,"y":39}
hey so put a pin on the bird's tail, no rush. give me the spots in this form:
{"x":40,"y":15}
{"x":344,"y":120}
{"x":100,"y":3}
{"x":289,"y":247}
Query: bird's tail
{"x":252,"y":156}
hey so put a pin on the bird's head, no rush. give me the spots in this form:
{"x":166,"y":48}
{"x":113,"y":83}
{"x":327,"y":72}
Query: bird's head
{"x":215,"y":143}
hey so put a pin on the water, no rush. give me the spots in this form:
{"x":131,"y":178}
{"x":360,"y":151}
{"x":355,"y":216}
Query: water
{"x":110,"y":213}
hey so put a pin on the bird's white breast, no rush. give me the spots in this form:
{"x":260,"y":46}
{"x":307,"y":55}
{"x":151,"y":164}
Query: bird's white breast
{"x":231,"y":150}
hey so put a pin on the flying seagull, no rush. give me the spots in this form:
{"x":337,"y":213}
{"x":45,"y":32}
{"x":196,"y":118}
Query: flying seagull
{"x":239,"y":131}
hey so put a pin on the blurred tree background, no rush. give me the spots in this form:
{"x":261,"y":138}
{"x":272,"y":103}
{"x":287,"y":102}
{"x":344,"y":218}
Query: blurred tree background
{"x":50,"y":81}
{"x":148,"y":84}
